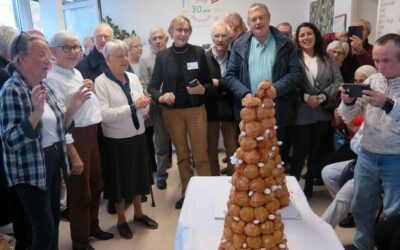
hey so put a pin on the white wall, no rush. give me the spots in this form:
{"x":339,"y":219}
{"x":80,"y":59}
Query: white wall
{"x":367,"y":9}
{"x":142,"y":16}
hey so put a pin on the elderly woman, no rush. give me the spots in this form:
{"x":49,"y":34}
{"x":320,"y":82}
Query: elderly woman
{"x":135,"y":52}
{"x":184,"y":111}
{"x":83,"y":190}
{"x":127,"y":173}
{"x":339,"y":50}
{"x":316,"y":102}
{"x":33,"y":128}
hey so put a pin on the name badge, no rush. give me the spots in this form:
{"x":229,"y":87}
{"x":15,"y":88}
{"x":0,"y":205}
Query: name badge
{"x":192,"y":65}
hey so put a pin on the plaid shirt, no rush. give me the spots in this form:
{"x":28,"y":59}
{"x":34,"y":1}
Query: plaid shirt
{"x":22,"y":150}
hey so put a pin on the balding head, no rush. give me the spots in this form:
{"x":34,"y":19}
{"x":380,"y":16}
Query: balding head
{"x":101,"y":35}
{"x":235,"y":22}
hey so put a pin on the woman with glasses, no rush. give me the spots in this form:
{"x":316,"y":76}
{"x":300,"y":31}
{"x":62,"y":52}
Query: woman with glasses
{"x":127,"y":172}
{"x":84,"y":188}
{"x":135,"y":52}
{"x":182,"y":70}
{"x":33,"y":127}
{"x":339,"y":50}
{"x":315,"y":104}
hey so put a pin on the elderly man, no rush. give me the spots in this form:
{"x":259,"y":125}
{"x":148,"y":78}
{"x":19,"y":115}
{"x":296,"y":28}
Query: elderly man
{"x":264,"y":53}
{"x":285,"y":28}
{"x":95,"y":64}
{"x":360,"y":49}
{"x":237,"y":25}
{"x":157,"y":41}
{"x":378,"y":162}
{"x":219,"y":100}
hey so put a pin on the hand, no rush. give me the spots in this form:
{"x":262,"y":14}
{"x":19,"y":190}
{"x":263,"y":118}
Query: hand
{"x":321,"y":98}
{"x":168,"y":98}
{"x":313,"y":101}
{"x":76,"y":165}
{"x":350,"y":125}
{"x":374,"y":98}
{"x":215,"y":82}
{"x":78,"y":99}
{"x":198,"y":90}
{"x":341,"y":35}
{"x":38,"y":98}
{"x":142,"y":101}
{"x":146,"y":116}
{"x":88,"y":83}
{"x":345,"y":97}
{"x":356,"y":44}
{"x":336,"y":114}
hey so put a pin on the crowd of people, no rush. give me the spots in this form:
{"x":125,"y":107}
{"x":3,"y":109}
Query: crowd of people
{"x":103,"y":119}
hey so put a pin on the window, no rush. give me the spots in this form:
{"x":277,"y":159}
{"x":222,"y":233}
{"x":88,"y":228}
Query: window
{"x":7,"y":13}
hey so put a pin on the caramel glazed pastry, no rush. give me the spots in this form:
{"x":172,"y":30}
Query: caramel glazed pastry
{"x":253,"y":219}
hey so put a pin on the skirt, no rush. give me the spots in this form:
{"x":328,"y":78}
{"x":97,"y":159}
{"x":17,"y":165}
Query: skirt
{"x":127,"y":168}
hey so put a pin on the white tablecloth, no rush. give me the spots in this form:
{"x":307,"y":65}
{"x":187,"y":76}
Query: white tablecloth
{"x":198,"y":230}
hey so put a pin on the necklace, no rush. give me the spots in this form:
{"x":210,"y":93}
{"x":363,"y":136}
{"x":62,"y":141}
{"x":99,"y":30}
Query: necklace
{"x":180,"y":52}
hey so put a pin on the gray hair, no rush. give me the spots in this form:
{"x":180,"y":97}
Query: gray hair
{"x":235,"y":17}
{"x":103,"y":24}
{"x":60,"y":37}
{"x":87,"y":40}
{"x":256,"y":6}
{"x":338,"y":43}
{"x":7,"y":33}
{"x":367,"y":23}
{"x":284,"y":24}
{"x":132,"y":41}
{"x":390,"y":37}
{"x":228,"y":29}
{"x":21,"y":45}
{"x":156,"y":29}
{"x":113,"y":45}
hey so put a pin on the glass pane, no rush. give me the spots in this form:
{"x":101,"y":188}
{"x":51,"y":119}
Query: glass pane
{"x":81,"y":20}
{"x":36,"y":21}
{"x":72,"y":1}
{"x":7,"y":13}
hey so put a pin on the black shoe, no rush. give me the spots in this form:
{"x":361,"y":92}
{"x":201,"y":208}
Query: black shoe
{"x":347,"y":222}
{"x":124,"y":231}
{"x":101,"y":235}
{"x":64,"y":216}
{"x":350,"y":247}
{"x":86,"y":248}
{"x":145,"y":221}
{"x":144,"y":198}
{"x":225,"y":160}
{"x":161,"y":183}
{"x":111,"y":208}
{"x":224,"y":170}
{"x":179,"y":204}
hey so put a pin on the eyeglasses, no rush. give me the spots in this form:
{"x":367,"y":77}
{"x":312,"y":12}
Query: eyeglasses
{"x":224,"y":36}
{"x":339,"y":53}
{"x":67,"y":48}
{"x":180,"y":30}
{"x":137,"y":46}
{"x":98,"y":37}
{"x":120,"y":57}
{"x":155,"y":38}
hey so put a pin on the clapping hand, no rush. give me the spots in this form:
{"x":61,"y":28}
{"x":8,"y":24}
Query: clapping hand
{"x":142,"y":101}
{"x":168,"y":98}
{"x":38,"y":99}
{"x":79,"y":98}
{"x":88,"y":83}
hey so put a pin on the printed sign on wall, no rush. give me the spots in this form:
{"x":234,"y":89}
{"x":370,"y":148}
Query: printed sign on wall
{"x":203,"y":13}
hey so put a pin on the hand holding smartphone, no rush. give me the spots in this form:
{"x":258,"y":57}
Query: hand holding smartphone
{"x":355,"y":90}
{"x":192,"y":83}
{"x":355,"y":30}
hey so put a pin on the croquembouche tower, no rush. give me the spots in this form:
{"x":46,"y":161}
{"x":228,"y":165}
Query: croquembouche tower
{"x":258,"y":191}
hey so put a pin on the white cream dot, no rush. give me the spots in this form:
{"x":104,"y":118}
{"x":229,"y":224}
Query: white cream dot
{"x":267,"y":191}
{"x":224,"y":241}
{"x":243,"y":133}
{"x":251,"y":193}
{"x":256,"y":222}
{"x":260,"y":164}
{"x":260,"y":138}
{"x":236,"y":218}
{"x":244,"y":245}
{"x":271,"y":217}
{"x":267,"y":131}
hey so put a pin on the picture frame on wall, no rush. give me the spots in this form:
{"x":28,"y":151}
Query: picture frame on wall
{"x":339,"y":23}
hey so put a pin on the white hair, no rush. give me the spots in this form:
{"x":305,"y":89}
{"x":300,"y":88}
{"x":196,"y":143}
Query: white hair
{"x":7,"y":33}
{"x":228,"y":29}
{"x":338,"y":43}
{"x":61,"y":37}
{"x":156,"y":29}
{"x":113,"y":45}
{"x":366,"y":70}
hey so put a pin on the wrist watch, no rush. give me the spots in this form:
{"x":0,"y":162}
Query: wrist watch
{"x":388,"y":106}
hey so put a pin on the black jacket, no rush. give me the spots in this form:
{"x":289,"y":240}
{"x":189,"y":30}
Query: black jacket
{"x":166,"y":73}
{"x":93,"y":65}
{"x":219,"y":100}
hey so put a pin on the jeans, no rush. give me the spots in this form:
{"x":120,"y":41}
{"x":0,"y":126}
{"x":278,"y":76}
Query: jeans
{"x":370,"y":171}
{"x":43,"y":206}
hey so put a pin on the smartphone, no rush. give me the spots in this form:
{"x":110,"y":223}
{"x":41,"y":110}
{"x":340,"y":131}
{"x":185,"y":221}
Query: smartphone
{"x":355,"y":90}
{"x":355,"y":30}
{"x":192,"y":83}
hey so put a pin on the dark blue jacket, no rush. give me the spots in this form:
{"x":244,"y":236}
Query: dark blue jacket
{"x":287,"y":73}
{"x":92,"y":65}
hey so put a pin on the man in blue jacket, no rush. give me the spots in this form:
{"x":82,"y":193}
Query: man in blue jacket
{"x":265,"y":53}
